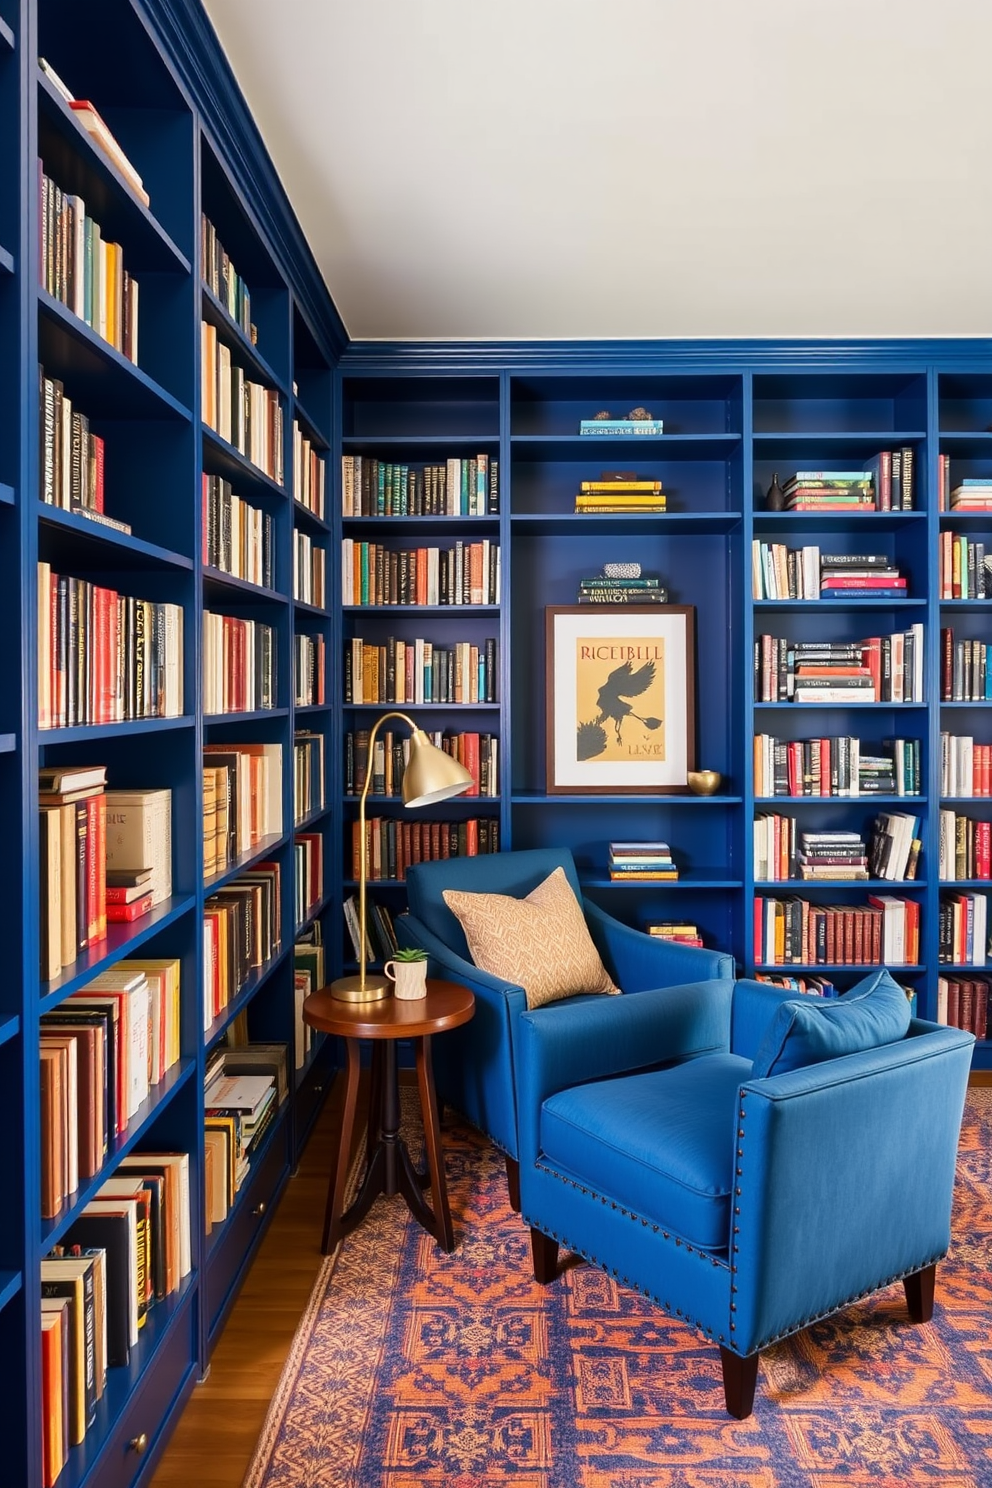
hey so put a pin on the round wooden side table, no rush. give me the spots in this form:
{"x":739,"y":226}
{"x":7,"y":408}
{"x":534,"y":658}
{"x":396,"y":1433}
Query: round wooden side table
{"x":388,"y":1166}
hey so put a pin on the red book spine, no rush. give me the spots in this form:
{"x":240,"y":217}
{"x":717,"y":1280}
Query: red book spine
{"x":125,"y":913}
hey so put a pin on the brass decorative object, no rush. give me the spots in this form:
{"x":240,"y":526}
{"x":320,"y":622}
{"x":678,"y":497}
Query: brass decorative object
{"x":704,"y":782}
{"x":430,"y":776}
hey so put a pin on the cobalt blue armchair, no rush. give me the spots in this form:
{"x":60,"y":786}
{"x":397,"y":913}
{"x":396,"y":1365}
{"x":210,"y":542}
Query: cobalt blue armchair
{"x":749,"y":1159}
{"x":474,"y":1066}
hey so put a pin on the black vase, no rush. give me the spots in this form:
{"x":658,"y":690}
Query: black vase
{"x":775,"y":499}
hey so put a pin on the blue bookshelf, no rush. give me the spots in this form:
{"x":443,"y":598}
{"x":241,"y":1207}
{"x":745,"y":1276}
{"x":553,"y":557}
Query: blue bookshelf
{"x":160,"y":81}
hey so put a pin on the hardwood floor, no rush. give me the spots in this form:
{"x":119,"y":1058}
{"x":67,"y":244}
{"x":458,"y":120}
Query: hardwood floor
{"x":213,"y":1442}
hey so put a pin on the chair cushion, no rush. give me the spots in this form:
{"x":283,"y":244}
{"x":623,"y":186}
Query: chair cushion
{"x":660,"y":1143}
{"x":540,"y":943}
{"x":806,"y":1030}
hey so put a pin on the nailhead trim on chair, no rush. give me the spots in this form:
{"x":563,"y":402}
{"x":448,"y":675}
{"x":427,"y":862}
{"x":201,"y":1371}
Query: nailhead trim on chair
{"x":814,"y":1317}
{"x":666,"y":1306}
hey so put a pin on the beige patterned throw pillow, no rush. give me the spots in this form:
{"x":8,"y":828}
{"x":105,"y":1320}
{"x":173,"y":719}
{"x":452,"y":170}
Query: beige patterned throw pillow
{"x":540,"y":943}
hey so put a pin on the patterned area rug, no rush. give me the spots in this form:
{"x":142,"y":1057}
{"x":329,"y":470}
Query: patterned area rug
{"x":416,"y":1369}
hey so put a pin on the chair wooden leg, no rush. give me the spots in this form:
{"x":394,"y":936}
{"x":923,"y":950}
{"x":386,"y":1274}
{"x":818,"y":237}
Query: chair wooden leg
{"x":513,"y":1183}
{"x":919,"y":1293}
{"x":739,"y":1379}
{"x":545,"y":1253}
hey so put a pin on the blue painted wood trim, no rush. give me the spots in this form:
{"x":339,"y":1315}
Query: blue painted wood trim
{"x":714,"y":356}
{"x":183,"y":30}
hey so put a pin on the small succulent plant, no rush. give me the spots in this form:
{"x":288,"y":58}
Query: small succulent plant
{"x":410,"y":953}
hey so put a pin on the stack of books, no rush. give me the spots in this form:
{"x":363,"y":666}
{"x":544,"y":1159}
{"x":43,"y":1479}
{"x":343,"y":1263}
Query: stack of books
{"x":641,"y":860}
{"x":830,"y":490}
{"x":623,"y":493}
{"x":681,"y":932}
{"x":622,"y":428}
{"x":601,"y":589}
{"x":783,"y":852}
{"x":972,"y":495}
{"x":831,"y":673}
{"x":860,"y":576}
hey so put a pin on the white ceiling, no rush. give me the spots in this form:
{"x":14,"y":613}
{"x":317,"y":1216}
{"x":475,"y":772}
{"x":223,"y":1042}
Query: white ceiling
{"x":632,"y":168}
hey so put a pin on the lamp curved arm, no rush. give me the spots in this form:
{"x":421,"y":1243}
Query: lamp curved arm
{"x":362,"y":850}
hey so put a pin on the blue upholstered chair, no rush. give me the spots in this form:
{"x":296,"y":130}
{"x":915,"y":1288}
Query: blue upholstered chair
{"x":474,"y":1065}
{"x":750,"y":1159}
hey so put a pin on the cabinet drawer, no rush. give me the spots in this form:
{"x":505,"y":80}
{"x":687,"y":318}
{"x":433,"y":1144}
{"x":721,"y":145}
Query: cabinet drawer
{"x":238,"y":1233}
{"x":149,"y":1416}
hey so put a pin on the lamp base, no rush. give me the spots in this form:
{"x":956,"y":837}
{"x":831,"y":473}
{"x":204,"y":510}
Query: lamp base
{"x":350,"y":989}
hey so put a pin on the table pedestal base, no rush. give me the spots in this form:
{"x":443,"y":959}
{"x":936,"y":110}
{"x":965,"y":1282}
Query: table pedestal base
{"x":389,"y":1169}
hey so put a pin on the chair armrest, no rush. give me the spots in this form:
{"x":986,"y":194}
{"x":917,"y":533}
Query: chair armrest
{"x":754,"y":1006}
{"x":637,"y":961}
{"x":845,"y":1173}
{"x":443,"y":962}
{"x":570,"y":1043}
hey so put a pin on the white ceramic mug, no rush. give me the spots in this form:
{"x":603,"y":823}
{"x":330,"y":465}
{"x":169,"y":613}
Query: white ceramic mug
{"x":409,"y":979}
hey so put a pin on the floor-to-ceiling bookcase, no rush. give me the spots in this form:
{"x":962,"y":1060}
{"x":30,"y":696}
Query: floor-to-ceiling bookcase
{"x":734,"y":415}
{"x":159,"y":81}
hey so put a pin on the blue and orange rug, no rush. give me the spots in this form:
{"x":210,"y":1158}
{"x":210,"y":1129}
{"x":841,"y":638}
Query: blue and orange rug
{"x":416,"y":1369}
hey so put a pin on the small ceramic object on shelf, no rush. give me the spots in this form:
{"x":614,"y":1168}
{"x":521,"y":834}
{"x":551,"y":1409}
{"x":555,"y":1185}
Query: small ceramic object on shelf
{"x":408,"y":973}
{"x":704,"y":782}
{"x":775,"y":499}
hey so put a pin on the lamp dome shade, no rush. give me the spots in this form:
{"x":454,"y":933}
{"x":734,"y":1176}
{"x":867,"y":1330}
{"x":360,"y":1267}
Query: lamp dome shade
{"x":431,"y":775}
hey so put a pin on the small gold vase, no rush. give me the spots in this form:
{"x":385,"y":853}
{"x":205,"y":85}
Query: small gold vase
{"x":704,"y":782}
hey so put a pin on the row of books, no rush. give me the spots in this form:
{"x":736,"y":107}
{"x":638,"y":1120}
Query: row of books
{"x":309,"y":975}
{"x":308,"y":774}
{"x":467,"y":573}
{"x":637,"y":589}
{"x":479,"y":753}
{"x":380,"y":934}
{"x":963,"y":930}
{"x":237,"y":537}
{"x":965,"y":567}
{"x":455,"y":488}
{"x":879,"y":669}
{"x":641,"y":860}
{"x":85,"y":272}
{"x":965,"y":767}
{"x":420,"y":671}
{"x":242,"y":800}
{"x":393,"y":845}
{"x":105,"y":857}
{"x":887,"y":483}
{"x":963,"y":1002}
{"x":784,"y":850}
{"x":309,"y":670}
{"x":309,"y":473}
{"x":837,"y":765}
{"x":629,"y":495}
{"x":222,"y":279}
{"x":239,"y":664}
{"x":308,"y":882}
{"x":963,"y":847}
{"x":242,"y":931}
{"x":72,"y":456}
{"x":883,"y":932}
{"x":965,"y":670}
{"x":105,"y":657}
{"x":102,"y":1050}
{"x":606,"y":427}
{"x":247,"y":414}
{"x":128,"y":1250}
{"x":309,"y":570}
{"x":780,"y":572}
{"x":679,"y":932}
{"x":241,"y":1097}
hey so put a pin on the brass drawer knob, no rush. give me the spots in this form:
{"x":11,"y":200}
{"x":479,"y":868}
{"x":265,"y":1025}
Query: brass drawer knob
{"x":259,"y":1209}
{"x":138,"y":1444}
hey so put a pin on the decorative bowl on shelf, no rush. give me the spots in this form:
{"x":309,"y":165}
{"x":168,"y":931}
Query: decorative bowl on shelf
{"x":704,"y":782}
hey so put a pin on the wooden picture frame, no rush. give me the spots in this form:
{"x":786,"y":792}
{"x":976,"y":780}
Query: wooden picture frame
{"x":600,"y":738}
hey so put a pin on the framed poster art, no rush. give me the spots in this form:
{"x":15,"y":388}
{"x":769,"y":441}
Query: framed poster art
{"x":620,"y":699}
